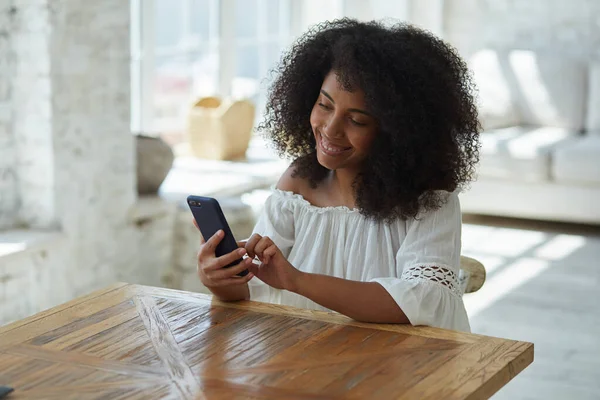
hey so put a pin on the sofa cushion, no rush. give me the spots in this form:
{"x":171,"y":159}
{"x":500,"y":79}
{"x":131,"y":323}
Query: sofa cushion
{"x":593,"y":105}
{"x":549,"y":90}
{"x":578,"y":161}
{"x":522,"y":87}
{"x":520,"y":153}
{"x":495,"y":105}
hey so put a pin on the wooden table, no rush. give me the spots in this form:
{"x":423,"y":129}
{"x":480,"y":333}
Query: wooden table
{"x":136,"y":342}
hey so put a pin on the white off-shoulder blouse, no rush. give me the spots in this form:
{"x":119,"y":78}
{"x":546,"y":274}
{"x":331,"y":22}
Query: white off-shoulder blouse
{"x":417,"y":261}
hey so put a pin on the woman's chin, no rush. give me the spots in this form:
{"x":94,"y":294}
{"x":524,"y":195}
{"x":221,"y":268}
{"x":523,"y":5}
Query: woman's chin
{"x":326,"y":162}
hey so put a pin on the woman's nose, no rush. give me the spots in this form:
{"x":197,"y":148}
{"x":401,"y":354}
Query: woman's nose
{"x":334,"y":128}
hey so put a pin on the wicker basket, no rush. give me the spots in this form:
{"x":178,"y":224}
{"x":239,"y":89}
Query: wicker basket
{"x":220,"y":130}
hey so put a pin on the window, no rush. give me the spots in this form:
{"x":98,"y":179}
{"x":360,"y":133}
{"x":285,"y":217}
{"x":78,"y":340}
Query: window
{"x":261,"y":32}
{"x":185,"y":60}
{"x":189,"y":49}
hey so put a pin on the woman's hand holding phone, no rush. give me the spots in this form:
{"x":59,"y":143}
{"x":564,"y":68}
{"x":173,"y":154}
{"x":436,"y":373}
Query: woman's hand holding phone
{"x":274,"y":270}
{"x":211,"y":269}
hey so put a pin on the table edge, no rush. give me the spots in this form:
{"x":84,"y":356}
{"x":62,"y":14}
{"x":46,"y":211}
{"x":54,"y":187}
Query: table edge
{"x":514,"y":367}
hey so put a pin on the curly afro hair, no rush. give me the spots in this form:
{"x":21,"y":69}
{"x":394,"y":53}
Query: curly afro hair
{"x":418,"y":89}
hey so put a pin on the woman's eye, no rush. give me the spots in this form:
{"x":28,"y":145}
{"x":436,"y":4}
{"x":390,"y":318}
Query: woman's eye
{"x":356,"y":122}
{"x":323,"y":106}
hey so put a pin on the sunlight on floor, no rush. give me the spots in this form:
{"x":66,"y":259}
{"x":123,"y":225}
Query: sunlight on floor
{"x":512,"y":257}
{"x":502,"y":283}
{"x":497,"y":241}
{"x":560,"y":247}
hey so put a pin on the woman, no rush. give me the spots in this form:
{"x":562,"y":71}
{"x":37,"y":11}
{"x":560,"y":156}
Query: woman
{"x":382,"y":128}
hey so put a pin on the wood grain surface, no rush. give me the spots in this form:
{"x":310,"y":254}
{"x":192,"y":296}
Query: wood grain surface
{"x":137,"y":342}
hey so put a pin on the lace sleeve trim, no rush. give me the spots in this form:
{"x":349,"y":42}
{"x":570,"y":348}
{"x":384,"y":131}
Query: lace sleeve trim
{"x":433,"y":273}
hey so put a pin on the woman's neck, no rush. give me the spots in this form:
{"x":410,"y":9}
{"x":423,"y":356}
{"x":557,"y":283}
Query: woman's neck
{"x":340,"y":182}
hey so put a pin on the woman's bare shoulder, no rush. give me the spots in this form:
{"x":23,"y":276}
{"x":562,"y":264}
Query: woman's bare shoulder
{"x":289,"y":182}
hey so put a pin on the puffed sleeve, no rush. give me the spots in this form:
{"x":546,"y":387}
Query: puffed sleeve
{"x":277,"y":222}
{"x":428,"y":262}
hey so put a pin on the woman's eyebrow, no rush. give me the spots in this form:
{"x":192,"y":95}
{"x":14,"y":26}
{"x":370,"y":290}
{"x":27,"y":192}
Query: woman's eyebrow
{"x":324,"y":93}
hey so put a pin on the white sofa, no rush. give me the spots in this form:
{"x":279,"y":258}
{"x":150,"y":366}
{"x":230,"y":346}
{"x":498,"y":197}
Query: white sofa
{"x":540,"y":155}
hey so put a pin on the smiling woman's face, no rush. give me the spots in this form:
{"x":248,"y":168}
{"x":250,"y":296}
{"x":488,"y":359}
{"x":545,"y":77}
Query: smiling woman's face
{"x":343,"y":129}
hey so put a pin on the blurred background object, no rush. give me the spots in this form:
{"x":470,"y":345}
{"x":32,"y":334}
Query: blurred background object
{"x":220,"y":129}
{"x":154,"y":159}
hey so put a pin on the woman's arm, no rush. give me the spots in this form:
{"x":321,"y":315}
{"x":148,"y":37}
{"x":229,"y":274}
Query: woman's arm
{"x":362,"y":301}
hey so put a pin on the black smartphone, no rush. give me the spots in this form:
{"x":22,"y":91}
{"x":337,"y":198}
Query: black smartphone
{"x":210,"y":219}
{"x":5,"y":391}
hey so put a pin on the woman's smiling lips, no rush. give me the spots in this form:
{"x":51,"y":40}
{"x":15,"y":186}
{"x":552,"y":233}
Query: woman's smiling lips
{"x":329,"y":148}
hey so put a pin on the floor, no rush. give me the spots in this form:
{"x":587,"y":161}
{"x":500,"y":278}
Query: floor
{"x":543,"y":286}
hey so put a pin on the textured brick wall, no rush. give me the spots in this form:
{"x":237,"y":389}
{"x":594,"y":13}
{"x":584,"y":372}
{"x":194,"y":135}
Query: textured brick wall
{"x":93,"y":148}
{"x":32,"y":115}
{"x":569,"y":28}
{"x":9,"y":200}
{"x":35,"y":280}
{"x":64,"y":111}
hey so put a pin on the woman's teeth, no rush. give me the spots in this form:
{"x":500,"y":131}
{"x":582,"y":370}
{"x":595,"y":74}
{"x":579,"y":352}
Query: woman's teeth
{"x":330,"y":147}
